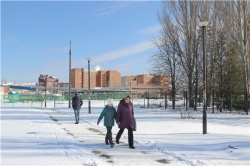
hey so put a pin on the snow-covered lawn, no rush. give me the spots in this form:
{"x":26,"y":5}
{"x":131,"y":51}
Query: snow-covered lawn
{"x":48,"y":136}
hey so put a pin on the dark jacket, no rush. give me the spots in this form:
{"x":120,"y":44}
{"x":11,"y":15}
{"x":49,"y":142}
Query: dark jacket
{"x":125,"y":115}
{"x":76,"y":102}
{"x":109,"y":115}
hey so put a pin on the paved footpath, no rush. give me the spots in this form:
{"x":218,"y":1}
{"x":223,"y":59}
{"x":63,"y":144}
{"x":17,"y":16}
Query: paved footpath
{"x":50,"y":137}
{"x":92,"y":140}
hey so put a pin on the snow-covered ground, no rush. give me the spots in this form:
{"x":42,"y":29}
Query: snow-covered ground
{"x":48,"y":136}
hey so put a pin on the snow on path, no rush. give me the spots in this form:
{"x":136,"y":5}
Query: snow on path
{"x":93,"y":139}
{"x":50,"y":137}
{"x":30,"y":137}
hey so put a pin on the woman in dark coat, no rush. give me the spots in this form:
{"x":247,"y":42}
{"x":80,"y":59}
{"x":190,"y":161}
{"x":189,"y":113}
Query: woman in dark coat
{"x":125,"y":119}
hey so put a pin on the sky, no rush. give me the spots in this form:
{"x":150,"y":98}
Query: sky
{"x":48,"y":136}
{"x":116,"y":35}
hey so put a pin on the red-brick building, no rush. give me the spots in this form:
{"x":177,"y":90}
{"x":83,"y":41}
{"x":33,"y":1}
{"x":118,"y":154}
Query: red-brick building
{"x":49,"y":81}
{"x":79,"y":78}
{"x":110,"y":78}
{"x":140,"y":84}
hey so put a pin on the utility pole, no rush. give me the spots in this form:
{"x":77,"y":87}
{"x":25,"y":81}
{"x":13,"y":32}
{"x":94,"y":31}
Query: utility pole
{"x":89,"y":84}
{"x":45,"y":102}
{"x":203,"y":24}
{"x":196,"y":82}
{"x":70,"y":74}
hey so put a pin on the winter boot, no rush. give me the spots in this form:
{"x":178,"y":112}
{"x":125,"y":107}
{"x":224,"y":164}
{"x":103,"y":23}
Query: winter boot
{"x":131,"y":147}
{"x":112,"y":144}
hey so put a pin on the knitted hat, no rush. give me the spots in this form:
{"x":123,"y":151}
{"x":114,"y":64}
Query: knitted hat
{"x":127,"y":96}
{"x":110,"y":101}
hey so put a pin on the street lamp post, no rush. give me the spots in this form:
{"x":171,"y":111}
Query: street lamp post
{"x":89,"y":84}
{"x":45,"y":101}
{"x":203,"y":24}
{"x":70,"y":74}
{"x":186,"y":96}
{"x":166,"y":99}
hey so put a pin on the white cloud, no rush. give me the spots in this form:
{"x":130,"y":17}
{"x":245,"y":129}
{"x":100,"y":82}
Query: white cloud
{"x":129,"y":68}
{"x":115,"y":6}
{"x":97,"y":68}
{"x":152,"y":29}
{"x":131,"y":50}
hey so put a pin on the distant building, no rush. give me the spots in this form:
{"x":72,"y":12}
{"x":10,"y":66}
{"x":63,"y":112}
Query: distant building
{"x":145,"y":79}
{"x":110,"y":78}
{"x":160,"y":81}
{"x":129,"y":80}
{"x":5,"y":87}
{"x":49,"y":81}
{"x":63,"y":85}
{"x":79,"y":78}
{"x":101,"y":79}
{"x":141,"y":84}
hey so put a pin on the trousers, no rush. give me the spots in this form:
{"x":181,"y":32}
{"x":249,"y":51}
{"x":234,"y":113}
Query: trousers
{"x":109,"y":134}
{"x":130,"y":136}
{"x":77,"y":114}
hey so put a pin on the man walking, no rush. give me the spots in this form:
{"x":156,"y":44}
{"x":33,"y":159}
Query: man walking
{"x":77,"y":104}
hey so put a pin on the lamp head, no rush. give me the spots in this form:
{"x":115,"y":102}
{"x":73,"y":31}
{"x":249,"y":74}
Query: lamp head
{"x":89,"y":59}
{"x":203,"y":23}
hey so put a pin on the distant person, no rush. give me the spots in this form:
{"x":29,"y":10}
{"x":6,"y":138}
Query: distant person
{"x":108,"y":113}
{"x":125,"y":119}
{"x":77,"y":104}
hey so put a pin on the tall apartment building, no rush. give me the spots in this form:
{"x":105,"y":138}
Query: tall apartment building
{"x":79,"y":78}
{"x":101,"y":77}
{"x":114,"y":78}
{"x":110,"y":78}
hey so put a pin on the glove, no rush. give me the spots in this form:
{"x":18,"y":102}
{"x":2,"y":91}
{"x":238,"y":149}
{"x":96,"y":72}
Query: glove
{"x":98,"y":122}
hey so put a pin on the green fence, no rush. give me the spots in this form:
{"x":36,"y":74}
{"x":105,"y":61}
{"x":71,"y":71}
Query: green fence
{"x":99,"y":96}
{"x":25,"y":98}
{"x":13,"y":98}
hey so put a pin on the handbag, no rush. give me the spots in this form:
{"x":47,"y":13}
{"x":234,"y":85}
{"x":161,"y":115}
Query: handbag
{"x":134,"y":129}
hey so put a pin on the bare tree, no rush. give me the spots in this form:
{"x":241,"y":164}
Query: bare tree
{"x":180,"y":48}
{"x":236,"y":16}
{"x":179,"y":41}
{"x":166,"y":61}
